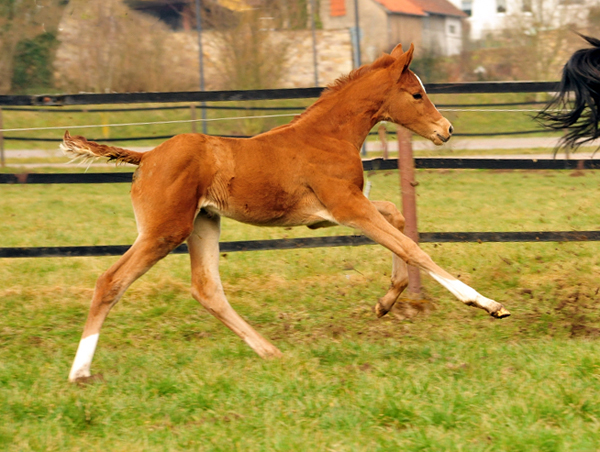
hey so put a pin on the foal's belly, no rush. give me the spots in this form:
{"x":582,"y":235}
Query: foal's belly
{"x":304,"y":211}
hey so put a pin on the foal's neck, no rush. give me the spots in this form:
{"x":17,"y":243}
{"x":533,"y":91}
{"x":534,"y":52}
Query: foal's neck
{"x":348,"y":113}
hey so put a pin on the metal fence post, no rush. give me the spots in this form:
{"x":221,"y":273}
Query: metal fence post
{"x":2,"y":161}
{"x":193,"y":117}
{"x":406,"y":166}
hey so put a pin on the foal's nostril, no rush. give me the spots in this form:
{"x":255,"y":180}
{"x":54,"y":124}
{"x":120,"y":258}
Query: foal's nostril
{"x":451,"y":130}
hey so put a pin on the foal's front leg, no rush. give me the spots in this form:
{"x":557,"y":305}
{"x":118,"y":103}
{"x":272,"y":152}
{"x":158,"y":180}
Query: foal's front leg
{"x":350,"y":208}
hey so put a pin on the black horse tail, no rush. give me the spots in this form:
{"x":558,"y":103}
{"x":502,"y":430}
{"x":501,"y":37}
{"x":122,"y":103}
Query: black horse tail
{"x":579,"y":114}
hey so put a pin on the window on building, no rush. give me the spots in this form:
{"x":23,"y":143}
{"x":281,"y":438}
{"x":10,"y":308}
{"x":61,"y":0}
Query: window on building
{"x":452,"y":29}
{"x":337,"y":8}
{"x":467,"y":7}
{"x":500,"y":6}
{"x":526,"y":6}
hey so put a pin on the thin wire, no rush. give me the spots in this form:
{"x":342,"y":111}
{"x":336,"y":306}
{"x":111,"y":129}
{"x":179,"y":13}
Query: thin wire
{"x":182,"y":121}
{"x":28,"y":129}
{"x":492,"y":110}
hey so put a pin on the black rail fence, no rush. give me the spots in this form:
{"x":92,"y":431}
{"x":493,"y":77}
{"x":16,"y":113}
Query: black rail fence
{"x":311,"y":242}
{"x":59,"y":101}
{"x":56,"y":100}
{"x":56,"y":103}
{"x":377,"y":164}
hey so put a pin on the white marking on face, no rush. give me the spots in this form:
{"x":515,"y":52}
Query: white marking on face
{"x":83,"y":358}
{"x":421,"y":83}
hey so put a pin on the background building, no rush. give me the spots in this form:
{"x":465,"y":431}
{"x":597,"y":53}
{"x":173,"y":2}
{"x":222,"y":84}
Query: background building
{"x":489,"y":17}
{"x":434,"y":26}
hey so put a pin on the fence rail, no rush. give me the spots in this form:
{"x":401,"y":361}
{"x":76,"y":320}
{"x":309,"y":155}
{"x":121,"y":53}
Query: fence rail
{"x":61,"y":109}
{"x":368,"y":165}
{"x":166,"y":137}
{"x":312,"y":242}
{"x":264,"y":94}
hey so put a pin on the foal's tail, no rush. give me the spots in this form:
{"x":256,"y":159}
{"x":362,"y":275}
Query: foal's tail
{"x":78,"y":147}
{"x":579,"y":113}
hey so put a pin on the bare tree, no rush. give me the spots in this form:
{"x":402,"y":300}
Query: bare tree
{"x":540,"y":36}
{"x":251,"y":56}
{"x":108,"y":47}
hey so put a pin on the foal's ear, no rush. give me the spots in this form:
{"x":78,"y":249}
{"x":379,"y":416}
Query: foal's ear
{"x":408,"y":57}
{"x":397,"y":52}
{"x":402,"y":61}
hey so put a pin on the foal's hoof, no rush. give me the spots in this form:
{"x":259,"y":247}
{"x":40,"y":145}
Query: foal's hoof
{"x":380,"y":311}
{"x":500,"y":313}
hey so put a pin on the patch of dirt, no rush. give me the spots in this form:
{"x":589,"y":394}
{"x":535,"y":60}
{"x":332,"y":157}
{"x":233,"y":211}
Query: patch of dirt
{"x":582,"y":330}
{"x":579,"y":312}
{"x":408,"y":308}
{"x":335,"y":331}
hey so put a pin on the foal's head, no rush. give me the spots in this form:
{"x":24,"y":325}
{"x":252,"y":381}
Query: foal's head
{"x":407,"y":103}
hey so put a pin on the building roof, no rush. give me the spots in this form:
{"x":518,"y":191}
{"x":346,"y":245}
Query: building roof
{"x":421,"y":7}
{"x":402,"y":7}
{"x":442,"y":7}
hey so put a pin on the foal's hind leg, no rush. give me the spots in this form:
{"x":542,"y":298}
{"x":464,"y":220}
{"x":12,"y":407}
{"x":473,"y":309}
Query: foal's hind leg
{"x":350,"y":207}
{"x":203,"y":246}
{"x":399,"y":268}
{"x":111,"y":285}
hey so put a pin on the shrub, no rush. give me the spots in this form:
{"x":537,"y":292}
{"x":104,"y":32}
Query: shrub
{"x":32,"y":63}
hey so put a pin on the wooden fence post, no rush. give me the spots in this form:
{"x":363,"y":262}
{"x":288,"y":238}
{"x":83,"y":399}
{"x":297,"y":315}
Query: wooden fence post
{"x":383,"y":139}
{"x":406,"y":166}
{"x":2,"y":161}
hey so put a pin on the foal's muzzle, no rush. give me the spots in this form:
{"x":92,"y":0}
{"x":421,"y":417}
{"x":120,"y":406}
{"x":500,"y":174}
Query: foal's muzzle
{"x":444,"y":137}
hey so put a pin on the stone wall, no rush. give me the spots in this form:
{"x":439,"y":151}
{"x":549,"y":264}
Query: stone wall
{"x":179,"y":61}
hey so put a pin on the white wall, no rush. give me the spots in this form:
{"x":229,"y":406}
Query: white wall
{"x":443,"y":34}
{"x":486,"y":19}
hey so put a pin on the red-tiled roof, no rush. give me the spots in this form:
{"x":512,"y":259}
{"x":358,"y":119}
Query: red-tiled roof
{"x":402,"y":7}
{"x":443,"y":7}
{"x":337,"y":8}
{"x":421,"y":7}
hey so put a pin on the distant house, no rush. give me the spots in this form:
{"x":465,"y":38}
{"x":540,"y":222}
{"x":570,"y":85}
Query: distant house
{"x":434,"y":26}
{"x":181,"y":14}
{"x":488,"y":17}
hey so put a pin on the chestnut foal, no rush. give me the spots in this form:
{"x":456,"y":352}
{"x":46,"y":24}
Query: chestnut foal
{"x":308,"y":172}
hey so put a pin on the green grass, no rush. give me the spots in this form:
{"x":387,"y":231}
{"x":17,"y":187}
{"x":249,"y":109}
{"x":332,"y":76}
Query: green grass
{"x":451,"y":378}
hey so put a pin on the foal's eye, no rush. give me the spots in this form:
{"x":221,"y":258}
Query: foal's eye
{"x":417,"y":96}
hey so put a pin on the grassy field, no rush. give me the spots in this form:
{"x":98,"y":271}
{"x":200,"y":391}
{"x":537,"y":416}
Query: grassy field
{"x":433,"y":375}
